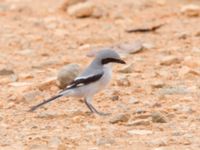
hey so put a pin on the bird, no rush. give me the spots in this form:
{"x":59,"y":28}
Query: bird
{"x":91,"y":81}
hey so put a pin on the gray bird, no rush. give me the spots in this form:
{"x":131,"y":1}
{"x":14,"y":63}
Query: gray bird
{"x":92,"y":80}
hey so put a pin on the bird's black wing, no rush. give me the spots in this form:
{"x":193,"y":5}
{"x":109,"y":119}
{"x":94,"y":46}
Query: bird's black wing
{"x":81,"y":81}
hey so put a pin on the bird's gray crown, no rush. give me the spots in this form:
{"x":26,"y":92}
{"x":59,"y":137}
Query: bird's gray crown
{"x":108,"y":56}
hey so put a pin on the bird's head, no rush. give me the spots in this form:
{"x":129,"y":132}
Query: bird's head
{"x":108,"y":56}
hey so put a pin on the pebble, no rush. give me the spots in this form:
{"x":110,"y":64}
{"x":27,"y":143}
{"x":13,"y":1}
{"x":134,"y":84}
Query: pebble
{"x":159,"y":142}
{"x":120,"y":118}
{"x":81,"y":10}
{"x":182,"y":35}
{"x":26,"y":52}
{"x":47,"y":83}
{"x":46,"y":115}
{"x":197,"y":34}
{"x":182,"y":108}
{"x":31,"y":95}
{"x":139,"y":132}
{"x":133,"y":100}
{"x":131,"y":48}
{"x":115,"y":97}
{"x":54,"y":142}
{"x":104,"y":141}
{"x":139,"y":111}
{"x":161,"y":2}
{"x":98,"y":12}
{"x":68,"y":3}
{"x":169,"y":60}
{"x":148,"y":45}
{"x":157,"y":84}
{"x":157,"y":117}
{"x":139,"y":122}
{"x":174,"y":90}
{"x":62,"y":147}
{"x":39,"y":146}
{"x":5,"y":72}
{"x":188,"y":72}
{"x":127,"y":69}
{"x":196,"y":49}
{"x":123,"y":81}
{"x":19,"y":84}
{"x":191,"y":10}
{"x":67,"y":74}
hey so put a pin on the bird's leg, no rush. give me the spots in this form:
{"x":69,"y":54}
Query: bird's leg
{"x":92,"y":109}
{"x":98,"y":112}
{"x":88,"y":105}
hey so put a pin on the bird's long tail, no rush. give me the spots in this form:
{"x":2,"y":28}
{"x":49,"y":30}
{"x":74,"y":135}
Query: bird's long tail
{"x":44,"y":102}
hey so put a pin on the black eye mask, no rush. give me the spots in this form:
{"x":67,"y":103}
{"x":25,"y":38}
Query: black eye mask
{"x":112,"y":60}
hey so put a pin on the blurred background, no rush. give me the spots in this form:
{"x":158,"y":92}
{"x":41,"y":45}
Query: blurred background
{"x":154,"y":99}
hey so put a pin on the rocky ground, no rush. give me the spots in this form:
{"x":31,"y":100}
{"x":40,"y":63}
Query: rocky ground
{"x":154,"y":99}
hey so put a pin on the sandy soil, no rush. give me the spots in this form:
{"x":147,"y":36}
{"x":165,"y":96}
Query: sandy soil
{"x":38,"y":38}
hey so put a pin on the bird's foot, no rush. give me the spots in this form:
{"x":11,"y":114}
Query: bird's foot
{"x":102,"y":113}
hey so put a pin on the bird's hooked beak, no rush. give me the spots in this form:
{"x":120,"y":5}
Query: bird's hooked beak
{"x":120,"y":61}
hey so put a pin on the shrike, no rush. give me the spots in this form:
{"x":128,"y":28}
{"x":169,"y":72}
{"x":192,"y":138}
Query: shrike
{"x":92,"y":80}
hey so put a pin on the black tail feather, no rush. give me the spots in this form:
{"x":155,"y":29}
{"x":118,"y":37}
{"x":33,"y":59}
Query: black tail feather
{"x":44,"y":102}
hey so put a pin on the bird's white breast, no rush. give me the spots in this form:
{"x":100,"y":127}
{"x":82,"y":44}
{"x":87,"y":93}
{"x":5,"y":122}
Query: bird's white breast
{"x":107,"y":74}
{"x":93,"y":88}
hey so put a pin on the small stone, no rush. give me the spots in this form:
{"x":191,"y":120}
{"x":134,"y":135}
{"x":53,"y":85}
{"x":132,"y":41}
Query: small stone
{"x":159,"y":142}
{"x":76,"y":112}
{"x":197,"y":34}
{"x":85,"y":47}
{"x":26,"y":52}
{"x":148,"y":45}
{"x":196,"y":49}
{"x":67,"y":74}
{"x":123,"y":81}
{"x":120,"y":118}
{"x":131,"y":48}
{"x":97,"y":13}
{"x":26,"y":76}
{"x":115,"y":97}
{"x":105,"y":141}
{"x":182,"y":108}
{"x":139,"y":122}
{"x":174,"y":90}
{"x":139,"y":132}
{"x":5,"y":72}
{"x":133,"y":100}
{"x":157,"y":84}
{"x":161,"y":2}
{"x":39,"y":146}
{"x":81,"y":10}
{"x":188,"y":72}
{"x":46,"y":115}
{"x":191,"y":10}
{"x":183,"y":35}
{"x":78,"y":119}
{"x":158,"y":118}
{"x":139,"y":111}
{"x":127,"y":69}
{"x":47,"y":83}
{"x":169,"y":60}
{"x":54,"y":142}
{"x":68,"y":3}
{"x":4,"y":7}
{"x":31,"y":95}
{"x":62,"y":147}
{"x":19,"y":84}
